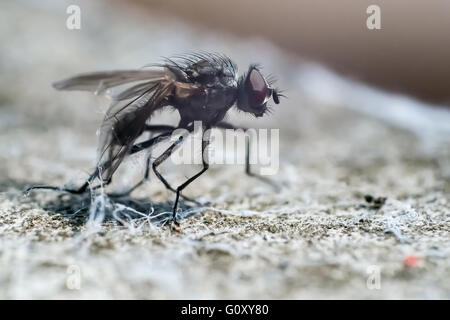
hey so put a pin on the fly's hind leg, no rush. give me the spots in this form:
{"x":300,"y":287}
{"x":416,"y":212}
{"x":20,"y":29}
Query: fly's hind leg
{"x":167,"y":131}
{"x":137,"y":185}
{"x":80,"y":190}
{"x":151,"y":128}
{"x":136,"y":148}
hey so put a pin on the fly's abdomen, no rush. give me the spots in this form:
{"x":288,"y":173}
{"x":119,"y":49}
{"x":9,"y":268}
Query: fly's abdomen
{"x":126,"y":129}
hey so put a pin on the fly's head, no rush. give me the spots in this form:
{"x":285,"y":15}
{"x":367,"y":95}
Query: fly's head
{"x":254,"y":91}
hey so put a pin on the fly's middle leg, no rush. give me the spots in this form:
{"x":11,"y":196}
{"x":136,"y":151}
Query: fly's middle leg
{"x":205,"y":143}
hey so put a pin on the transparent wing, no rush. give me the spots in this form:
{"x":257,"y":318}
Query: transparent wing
{"x":124,"y":123}
{"x":133,"y":91}
{"x":99,"y":82}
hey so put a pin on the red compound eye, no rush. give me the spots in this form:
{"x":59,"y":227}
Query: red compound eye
{"x":257,"y":86}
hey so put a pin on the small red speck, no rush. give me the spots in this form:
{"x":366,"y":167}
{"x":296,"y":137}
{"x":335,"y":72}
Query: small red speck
{"x":410,"y":261}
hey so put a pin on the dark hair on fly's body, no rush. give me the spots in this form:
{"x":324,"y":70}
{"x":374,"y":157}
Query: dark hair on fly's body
{"x":182,"y":62}
{"x":180,"y":65}
{"x":195,"y":57}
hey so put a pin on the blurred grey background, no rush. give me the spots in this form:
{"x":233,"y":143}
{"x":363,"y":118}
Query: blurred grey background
{"x":410,"y":54}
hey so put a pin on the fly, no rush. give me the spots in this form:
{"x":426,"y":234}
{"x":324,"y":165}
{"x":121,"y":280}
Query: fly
{"x":200,"y":86}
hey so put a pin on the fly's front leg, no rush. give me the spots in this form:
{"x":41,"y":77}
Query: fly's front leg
{"x":248,"y":171}
{"x":248,"y":167}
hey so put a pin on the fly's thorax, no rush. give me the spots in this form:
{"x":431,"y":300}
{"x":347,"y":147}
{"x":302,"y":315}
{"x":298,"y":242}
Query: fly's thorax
{"x":188,"y":95}
{"x":204,"y":104}
{"x":212,"y":72}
